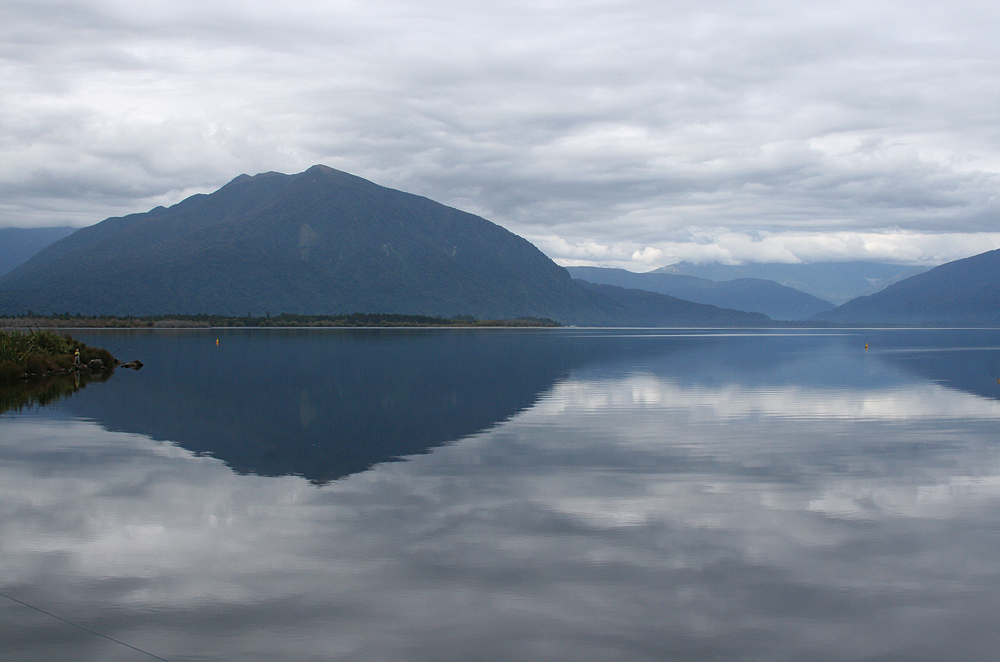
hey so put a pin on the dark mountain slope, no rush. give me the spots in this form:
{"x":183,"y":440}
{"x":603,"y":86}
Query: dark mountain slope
{"x":17,"y":245}
{"x":322,"y":241}
{"x":319,"y":242}
{"x":747,"y":294}
{"x":965,"y":291}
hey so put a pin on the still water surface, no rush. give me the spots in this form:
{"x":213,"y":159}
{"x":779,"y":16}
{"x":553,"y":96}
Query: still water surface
{"x":487,"y":495}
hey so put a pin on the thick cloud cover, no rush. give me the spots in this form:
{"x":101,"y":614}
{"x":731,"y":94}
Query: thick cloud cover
{"x":619,"y":132}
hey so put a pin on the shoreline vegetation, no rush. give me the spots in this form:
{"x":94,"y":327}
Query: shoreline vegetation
{"x":40,"y":354}
{"x":30,"y":320}
{"x":201,"y":321}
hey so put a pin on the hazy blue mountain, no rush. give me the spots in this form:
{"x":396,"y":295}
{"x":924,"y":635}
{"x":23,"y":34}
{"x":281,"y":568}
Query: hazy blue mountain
{"x":750,"y":294}
{"x":645,"y":308}
{"x":836,"y":282}
{"x":17,"y":245}
{"x":319,"y":242}
{"x":965,"y":291}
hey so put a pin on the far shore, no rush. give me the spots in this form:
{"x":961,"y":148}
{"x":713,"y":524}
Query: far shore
{"x":67,"y":321}
{"x":379,"y":320}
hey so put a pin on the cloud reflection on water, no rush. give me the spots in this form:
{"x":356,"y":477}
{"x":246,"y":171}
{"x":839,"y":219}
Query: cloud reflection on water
{"x":628,"y":517}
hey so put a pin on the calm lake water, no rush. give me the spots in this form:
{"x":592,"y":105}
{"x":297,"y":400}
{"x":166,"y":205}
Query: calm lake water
{"x":481,"y":495}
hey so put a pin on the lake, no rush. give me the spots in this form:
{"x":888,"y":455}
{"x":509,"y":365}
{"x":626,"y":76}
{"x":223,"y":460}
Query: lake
{"x":520,"y":494}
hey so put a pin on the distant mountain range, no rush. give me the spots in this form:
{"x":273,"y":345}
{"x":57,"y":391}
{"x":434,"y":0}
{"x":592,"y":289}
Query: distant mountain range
{"x":750,"y":294}
{"x":963,"y":292}
{"x":322,"y":242}
{"x":837,"y":282}
{"x":17,"y":245}
{"x":327,"y":242}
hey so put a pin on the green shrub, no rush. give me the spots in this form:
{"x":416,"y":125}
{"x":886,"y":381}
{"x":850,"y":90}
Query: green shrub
{"x":88,"y":354}
{"x":13,"y":346}
{"x":51,"y":342}
{"x":10,"y":372}
{"x":39,"y":352}
{"x":36,"y":364}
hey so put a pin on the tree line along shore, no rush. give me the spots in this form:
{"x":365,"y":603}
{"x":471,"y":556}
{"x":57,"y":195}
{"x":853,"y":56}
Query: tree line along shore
{"x":68,"y":321}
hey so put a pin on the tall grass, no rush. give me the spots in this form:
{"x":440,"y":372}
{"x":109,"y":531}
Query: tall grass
{"x":39,"y":352}
{"x":17,"y":346}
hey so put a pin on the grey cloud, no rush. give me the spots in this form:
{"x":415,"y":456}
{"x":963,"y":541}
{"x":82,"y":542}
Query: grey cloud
{"x":618,"y":123}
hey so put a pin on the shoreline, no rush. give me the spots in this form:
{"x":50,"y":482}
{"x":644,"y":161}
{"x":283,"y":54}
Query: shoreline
{"x":285,"y":320}
{"x":41,"y":354}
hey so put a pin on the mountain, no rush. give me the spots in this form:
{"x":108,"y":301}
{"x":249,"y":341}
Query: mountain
{"x":644,"y":308}
{"x":962,"y":292}
{"x":748,"y":294}
{"x":837,"y":282}
{"x":319,"y":242}
{"x":19,"y":244}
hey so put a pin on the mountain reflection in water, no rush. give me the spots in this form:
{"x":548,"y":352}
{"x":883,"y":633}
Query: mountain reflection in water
{"x":629,"y":495}
{"x":324,"y":404}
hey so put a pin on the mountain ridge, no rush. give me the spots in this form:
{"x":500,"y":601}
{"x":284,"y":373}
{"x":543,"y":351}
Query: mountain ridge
{"x":18,"y":245}
{"x":777,"y":301}
{"x":965,"y":291}
{"x":836,"y":282}
{"x":318,"y":242}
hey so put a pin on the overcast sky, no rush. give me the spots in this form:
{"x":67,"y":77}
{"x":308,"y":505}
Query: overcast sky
{"x":630,"y":133}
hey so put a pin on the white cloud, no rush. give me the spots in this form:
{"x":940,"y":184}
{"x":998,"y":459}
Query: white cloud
{"x":731,"y":247}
